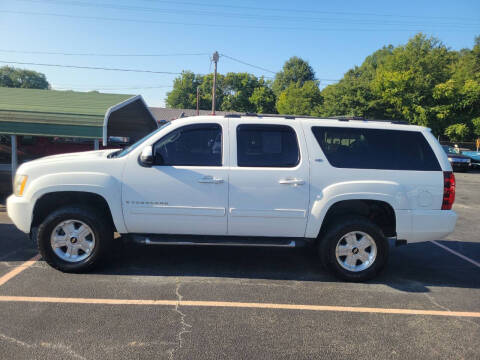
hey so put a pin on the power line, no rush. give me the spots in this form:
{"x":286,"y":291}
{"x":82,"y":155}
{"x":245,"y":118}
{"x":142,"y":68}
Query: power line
{"x":308,"y":11}
{"x":98,"y":54}
{"x":251,"y":65}
{"x":92,"y":67}
{"x":228,"y":26}
{"x":195,"y":12}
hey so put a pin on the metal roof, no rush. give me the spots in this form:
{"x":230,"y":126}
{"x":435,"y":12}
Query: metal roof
{"x":73,"y":114}
{"x":167,"y":114}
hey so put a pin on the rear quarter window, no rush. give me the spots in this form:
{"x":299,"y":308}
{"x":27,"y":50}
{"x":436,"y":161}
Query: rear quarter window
{"x":380,"y":149}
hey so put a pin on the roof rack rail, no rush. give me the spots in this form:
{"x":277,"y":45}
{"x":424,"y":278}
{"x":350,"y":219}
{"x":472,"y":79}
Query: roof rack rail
{"x":338,"y":118}
{"x":347,"y":118}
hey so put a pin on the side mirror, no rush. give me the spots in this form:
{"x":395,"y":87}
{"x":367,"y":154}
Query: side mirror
{"x":146,"y":157}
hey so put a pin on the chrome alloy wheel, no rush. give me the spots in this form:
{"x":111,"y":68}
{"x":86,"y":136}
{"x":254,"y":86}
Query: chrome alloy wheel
{"x":72,"y":240}
{"x":356,"y":251}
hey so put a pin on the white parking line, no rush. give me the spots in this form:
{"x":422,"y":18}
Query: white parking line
{"x":457,"y":253}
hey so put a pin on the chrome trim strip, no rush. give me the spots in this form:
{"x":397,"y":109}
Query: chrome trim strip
{"x":149,"y":242}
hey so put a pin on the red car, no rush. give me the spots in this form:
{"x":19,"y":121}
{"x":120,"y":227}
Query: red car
{"x":34,"y":147}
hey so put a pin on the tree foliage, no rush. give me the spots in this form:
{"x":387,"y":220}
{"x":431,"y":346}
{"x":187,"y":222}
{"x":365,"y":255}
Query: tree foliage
{"x":457,"y":132}
{"x":241,"y":92}
{"x":264,"y":100}
{"x":22,"y":78}
{"x":296,"y":71}
{"x":423,"y":82}
{"x":300,"y":99}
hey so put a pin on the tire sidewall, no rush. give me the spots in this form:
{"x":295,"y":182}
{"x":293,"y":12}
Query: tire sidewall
{"x":329,"y":243}
{"x":89,"y":217}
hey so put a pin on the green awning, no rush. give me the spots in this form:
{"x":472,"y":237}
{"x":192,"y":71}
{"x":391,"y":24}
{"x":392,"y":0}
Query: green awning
{"x":73,"y":114}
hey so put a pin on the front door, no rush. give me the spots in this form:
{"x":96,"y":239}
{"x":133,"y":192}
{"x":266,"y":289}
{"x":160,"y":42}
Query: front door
{"x":186,"y":191}
{"x":269,"y":179}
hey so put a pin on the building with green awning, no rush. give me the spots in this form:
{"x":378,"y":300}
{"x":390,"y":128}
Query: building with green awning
{"x":91,"y":115}
{"x":73,"y":114}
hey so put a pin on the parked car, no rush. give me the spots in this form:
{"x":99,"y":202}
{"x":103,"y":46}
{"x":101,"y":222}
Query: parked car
{"x":474,"y":158}
{"x":344,"y":187}
{"x":459,"y":162}
{"x":35,"y":147}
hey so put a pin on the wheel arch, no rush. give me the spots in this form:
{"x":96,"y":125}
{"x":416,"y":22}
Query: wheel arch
{"x":377,"y":207}
{"x":50,"y":201}
{"x":379,"y":212}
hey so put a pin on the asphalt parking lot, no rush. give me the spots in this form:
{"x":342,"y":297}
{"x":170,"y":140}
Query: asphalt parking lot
{"x":246,"y":303}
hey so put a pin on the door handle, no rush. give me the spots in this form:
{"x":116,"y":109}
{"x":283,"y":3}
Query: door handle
{"x":210,"y":180}
{"x":291,"y":181}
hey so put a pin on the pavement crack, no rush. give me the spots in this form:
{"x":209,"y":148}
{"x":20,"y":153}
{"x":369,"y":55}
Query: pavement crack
{"x":12,"y":340}
{"x":183,"y":324}
{"x":58,"y":347}
{"x":434,"y":302}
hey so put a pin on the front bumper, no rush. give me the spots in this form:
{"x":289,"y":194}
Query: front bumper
{"x":460,"y":165}
{"x":19,"y":211}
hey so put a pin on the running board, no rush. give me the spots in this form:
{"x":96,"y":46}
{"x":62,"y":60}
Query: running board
{"x":215,"y":240}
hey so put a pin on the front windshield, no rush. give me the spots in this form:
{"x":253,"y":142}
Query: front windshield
{"x":449,"y":150}
{"x":127,"y":150}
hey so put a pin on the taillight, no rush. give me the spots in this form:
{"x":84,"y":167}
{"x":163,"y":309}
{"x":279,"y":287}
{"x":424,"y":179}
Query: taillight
{"x":448,"y":190}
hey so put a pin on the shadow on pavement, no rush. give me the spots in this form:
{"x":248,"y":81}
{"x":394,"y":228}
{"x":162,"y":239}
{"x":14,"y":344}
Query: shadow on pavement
{"x":411,"y":268}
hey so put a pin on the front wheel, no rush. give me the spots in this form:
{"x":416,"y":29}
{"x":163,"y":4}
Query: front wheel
{"x":354,"y":249}
{"x":74,"y":239}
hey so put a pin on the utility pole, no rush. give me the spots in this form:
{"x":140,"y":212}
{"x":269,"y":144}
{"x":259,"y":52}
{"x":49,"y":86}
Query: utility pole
{"x":198,"y":98}
{"x":214,"y":90}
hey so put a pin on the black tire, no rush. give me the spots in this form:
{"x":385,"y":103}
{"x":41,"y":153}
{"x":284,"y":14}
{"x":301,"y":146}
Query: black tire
{"x":99,"y":224}
{"x":328,"y":243}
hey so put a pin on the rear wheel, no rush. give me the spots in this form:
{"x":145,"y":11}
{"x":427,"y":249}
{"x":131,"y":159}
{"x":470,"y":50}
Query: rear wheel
{"x":74,"y":239}
{"x":354,"y":249}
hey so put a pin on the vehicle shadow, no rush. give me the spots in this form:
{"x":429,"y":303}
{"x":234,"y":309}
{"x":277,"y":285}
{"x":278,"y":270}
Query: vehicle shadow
{"x":411,"y":268}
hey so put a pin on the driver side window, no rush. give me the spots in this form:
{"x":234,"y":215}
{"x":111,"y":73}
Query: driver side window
{"x":191,"y":145}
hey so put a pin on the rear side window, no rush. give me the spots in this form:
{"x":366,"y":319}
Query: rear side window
{"x":376,"y":149}
{"x":191,"y":145}
{"x":267,"y":146}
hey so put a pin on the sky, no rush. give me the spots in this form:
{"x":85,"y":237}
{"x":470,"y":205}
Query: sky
{"x":333,"y":36}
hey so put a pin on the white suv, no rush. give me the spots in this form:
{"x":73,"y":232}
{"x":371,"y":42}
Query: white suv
{"x":342,"y":185}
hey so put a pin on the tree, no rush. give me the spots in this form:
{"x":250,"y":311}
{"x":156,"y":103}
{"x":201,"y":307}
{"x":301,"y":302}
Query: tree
{"x":457,"y":132}
{"x":300,"y":100}
{"x":184,"y":92}
{"x":476,"y":126}
{"x":353,"y":94}
{"x":22,"y":78}
{"x":263,"y":98}
{"x":241,"y":92}
{"x":407,"y":79}
{"x":295,"y":70}
{"x":238,"y":88}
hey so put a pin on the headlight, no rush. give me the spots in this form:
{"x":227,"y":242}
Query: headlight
{"x":19,"y":184}
{"x":450,"y":159}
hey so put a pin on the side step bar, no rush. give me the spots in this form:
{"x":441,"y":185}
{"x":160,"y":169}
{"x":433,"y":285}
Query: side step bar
{"x":215,"y":240}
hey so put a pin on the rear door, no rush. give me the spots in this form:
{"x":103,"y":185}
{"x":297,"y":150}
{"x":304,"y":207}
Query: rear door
{"x":269,"y":178}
